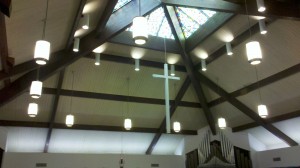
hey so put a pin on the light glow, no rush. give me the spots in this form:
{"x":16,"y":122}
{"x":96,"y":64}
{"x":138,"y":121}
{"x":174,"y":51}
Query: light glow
{"x":262,"y":111}
{"x":222,"y":123}
{"x":32,"y":109}
{"x":42,"y":52}
{"x":176,"y":126}
{"x":36,"y":89}
{"x":127,"y":124}
{"x":254,"y":53}
{"x":69,"y":120}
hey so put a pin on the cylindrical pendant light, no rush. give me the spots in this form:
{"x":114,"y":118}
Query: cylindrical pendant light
{"x":140,"y":30}
{"x":260,"y":5}
{"x":69,"y":120}
{"x":127,"y":124}
{"x":42,"y":52}
{"x":203,"y":65}
{"x":254,"y":52}
{"x":76,"y":45}
{"x":97,"y":59}
{"x":172,"y":70}
{"x":36,"y":89}
{"x":262,"y":111}
{"x":222,"y":123}
{"x":229,"y":48}
{"x":86,"y":22}
{"x":137,"y":65}
{"x":176,"y":126}
{"x":32,"y":109}
{"x":262,"y":27}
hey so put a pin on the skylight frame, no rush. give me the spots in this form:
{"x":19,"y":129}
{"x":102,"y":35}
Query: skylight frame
{"x":120,"y":4}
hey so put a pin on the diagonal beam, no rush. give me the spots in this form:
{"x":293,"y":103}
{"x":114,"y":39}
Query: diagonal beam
{"x":54,"y":109}
{"x":61,"y":75}
{"x":246,"y":110}
{"x":275,"y":119}
{"x":116,"y":24}
{"x":162,"y":127}
{"x":86,"y":127}
{"x":114,"y":97}
{"x":4,"y":48}
{"x":190,"y":70}
{"x":5,"y":7}
{"x":264,"y":82}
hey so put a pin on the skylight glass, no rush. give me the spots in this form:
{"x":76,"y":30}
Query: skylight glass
{"x":158,"y":24}
{"x":191,"y":19}
{"x":120,"y":4}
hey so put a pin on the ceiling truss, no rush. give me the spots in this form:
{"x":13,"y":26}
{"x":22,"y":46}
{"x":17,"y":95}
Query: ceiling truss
{"x":111,"y":24}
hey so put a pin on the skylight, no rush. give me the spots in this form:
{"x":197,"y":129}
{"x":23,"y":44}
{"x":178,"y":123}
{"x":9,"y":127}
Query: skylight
{"x":120,"y":4}
{"x":158,"y":24}
{"x":192,"y":19}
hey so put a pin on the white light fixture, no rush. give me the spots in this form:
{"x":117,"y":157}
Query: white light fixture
{"x":176,"y":126}
{"x":127,"y":124}
{"x":86,"y":22}
{"x":76,"y":45}
{"x":42,"y":47}
{"x":262,"y":27}
{"x":97,"y":59}
{"x":69,"y":120}
{"x":222,"y":123}
{"x":260,"y":5}
{"x":36,"y":89}
{"x":137,"y":65}
{"x":140,"y":30}
{"x":203,"y":65}
{"x":42,"y":52}
{"x":32,"y":109}
{"x":229,"y":48}
{"x":254,"y":52}
{"x":172,"y":70}
{"x":262,"y":111}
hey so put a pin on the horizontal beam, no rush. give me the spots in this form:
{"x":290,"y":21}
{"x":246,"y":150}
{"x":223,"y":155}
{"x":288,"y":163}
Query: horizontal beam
{"x":87,"y":127}
{"x":153,"y":42}
{"x":275,"y":119}
{"x":112,"y":97}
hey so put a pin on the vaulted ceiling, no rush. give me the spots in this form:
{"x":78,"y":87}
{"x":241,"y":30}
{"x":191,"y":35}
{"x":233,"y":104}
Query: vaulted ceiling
{"x":101,"y":98}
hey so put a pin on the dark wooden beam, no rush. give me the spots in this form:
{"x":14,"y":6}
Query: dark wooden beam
{"x":54,"y":109}
{"x":75,"y":23}
{"x":190,"y":68}
{"x":275,"y":119}
{"x":113,"y":97}
{"x":206,"y":30}
{"x":264,"y":82}
{"x":285,"y":9}
{"x":234,"y":43}
{"x":4,"y":48}
{"x":130,"y":61}
{"x":173,"y":108}
{"x":153,"y":42}
{"x":246,"y":110}
{"x":87,"y":127}
{"x":5,"y":7}
{"x":60,"y":59}
{"x":62,"y":74}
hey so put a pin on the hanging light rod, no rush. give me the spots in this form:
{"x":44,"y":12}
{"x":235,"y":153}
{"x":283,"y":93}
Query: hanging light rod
{"x":42,"y":47}
{"x":97,"y":59}
{"x":86,"y":22}
{"x":262,"y":26}
{"x":76,"y":44}
{"x":140,"y":28}
{"x":229,"y":48}
{"x":203,"y":65}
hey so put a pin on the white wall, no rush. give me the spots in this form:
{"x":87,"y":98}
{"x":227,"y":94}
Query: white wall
{"x":28,"y":160}
{"x":3,"y":137}
{"x":289,"y":157}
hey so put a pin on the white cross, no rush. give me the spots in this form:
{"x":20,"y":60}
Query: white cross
{"x":167,"y":99}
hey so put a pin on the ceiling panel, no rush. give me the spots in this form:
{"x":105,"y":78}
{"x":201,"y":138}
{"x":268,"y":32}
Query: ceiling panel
{"x":29,"y":15}
{"x":190,"y":118}
{"x":167,"y":144}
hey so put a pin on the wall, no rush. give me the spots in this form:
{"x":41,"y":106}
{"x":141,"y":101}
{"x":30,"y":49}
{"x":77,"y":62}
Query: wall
{"x":289,"y":157}
{"x":28,"y":160}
